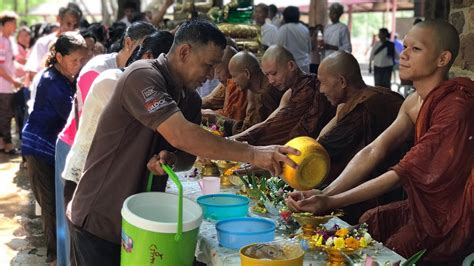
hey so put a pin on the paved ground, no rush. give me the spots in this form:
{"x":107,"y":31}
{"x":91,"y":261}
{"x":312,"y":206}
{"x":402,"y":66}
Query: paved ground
{"x":21,"y":238}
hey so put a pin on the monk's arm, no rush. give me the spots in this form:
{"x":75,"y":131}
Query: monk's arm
{"x":331,"y":124}
{"x":215,"y":100}
{"x":368,"y":190}
{"x":285,"y":99}
{"x":369,"y":157}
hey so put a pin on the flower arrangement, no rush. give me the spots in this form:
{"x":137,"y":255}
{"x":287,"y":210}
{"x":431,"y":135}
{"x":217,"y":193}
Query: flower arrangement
{"x":215,"y":128}
{"x":346,"y":239}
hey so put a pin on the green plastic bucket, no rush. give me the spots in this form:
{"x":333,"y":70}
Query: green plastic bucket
{"x":150,"y":226}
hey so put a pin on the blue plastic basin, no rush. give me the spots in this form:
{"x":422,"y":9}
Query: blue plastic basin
{"x":223,"y":206}
{"x":238,"y":232}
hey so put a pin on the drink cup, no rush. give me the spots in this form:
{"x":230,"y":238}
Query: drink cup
{"x":210,"y":185}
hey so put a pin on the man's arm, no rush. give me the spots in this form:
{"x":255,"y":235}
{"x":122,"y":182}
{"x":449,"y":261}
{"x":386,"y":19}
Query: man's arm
{"x":156,"y":20}
{"x":192,"y":139}
{"x":9,"y":78}
{"x":369,"y":157}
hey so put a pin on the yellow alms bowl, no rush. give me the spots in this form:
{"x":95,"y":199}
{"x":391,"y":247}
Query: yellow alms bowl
{"x":314,"y":164}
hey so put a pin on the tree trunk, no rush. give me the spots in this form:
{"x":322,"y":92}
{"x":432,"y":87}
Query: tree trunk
{"x":106,"y":20}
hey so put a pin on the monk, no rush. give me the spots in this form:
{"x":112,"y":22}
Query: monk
{"x":303,"y":110}
{"x":437,"y":173}
{"x":363,"y":113}
{"x":262,"y":98}
{"x":235,"y":100}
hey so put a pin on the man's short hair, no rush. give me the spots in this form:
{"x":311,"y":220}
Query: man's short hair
{"x":264,"y":8}
{"x":273,"y":9}
{"x":7,"y":16}
{"x":291,"y":14}
{"x":199,"y":32}
{"x":384,"y":31}
{"x":338,"y":8}
{"x":71,"y":8}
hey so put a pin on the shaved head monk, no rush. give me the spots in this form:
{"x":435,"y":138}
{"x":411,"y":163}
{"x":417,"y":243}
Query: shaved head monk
{"x":303,"y":110}
{"x":226,"y":94}
{"x":437,"y":173}
{"x":262,"y":98}
{"x":363,"y":114}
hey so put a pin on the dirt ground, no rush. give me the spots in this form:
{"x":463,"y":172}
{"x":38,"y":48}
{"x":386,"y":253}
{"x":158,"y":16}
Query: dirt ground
{"x":21,"y":238}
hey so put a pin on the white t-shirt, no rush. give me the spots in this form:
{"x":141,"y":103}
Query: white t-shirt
{"x":382,"y":59}
{"x":6,"y":62}
{"x":39,"y":52}
{"x":269,"y":33}
{"x":337,"y":34}
{"x":99,"y":94}
{"x":295,"y":37}
{"x":33,"y":88}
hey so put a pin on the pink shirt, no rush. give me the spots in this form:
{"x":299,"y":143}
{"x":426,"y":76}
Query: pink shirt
{"x":87,"y":75}
{"x":6,"y":62}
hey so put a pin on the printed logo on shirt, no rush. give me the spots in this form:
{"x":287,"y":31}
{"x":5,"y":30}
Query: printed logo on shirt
{"x":148,"y":93}
{"x":156,"y":103}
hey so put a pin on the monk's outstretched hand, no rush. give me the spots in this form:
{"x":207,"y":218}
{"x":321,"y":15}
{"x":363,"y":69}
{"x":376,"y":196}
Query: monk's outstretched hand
{"x":317,"y":202}
{"x":270,"y":157}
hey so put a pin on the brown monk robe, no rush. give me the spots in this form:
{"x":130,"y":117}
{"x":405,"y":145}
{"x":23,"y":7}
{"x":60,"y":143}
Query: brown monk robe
{"x":364,"y":113}
{"x":438,"y":171}
{"x":235,"y":100}
{"x":303,"y":110}
{"x":438,"y":176}
{"x":262,"y":98}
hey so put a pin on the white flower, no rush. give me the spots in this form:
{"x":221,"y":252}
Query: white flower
{"x":330,"y":241}
{"x":368,"y":237}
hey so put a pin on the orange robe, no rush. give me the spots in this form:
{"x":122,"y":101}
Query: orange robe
{"x":235,"y":102}
{"x":438,"y":176}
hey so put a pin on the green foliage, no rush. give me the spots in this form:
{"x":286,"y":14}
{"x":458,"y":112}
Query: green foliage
{"x":415,"y":258}
{"x":21,"y":9}
{"x":365,"y":24}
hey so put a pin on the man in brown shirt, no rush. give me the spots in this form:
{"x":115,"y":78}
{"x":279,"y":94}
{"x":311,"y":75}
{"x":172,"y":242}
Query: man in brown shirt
{"x":154,"y":110}
{"x":303,"y":110}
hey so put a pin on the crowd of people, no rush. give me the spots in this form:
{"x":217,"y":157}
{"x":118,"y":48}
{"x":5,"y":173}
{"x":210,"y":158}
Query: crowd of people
{"x":100,"y":107}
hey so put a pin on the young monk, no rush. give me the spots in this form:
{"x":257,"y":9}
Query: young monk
{"x":437,"y":173}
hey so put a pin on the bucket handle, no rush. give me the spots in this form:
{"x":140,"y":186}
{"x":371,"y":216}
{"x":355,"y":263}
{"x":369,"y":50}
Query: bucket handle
{"x":174,"y":177}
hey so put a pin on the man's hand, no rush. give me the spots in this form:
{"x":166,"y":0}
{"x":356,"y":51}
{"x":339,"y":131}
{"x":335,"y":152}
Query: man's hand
{"x":269,"y":157}
{"x":154,"y":165}
{"x":209,"y":116}
{"x":17,"y":84}
{"x":248,"y":169}
{"x":318,"y":203}
{"x":300,"y":195}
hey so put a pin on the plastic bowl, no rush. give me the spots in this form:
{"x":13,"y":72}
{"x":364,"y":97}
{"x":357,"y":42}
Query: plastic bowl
{"x":237,"y":232}
{"x":223,"y":206}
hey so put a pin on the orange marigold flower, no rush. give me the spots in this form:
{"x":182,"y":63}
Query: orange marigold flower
{"x":342,"y":232}
{"x":352,"y":243}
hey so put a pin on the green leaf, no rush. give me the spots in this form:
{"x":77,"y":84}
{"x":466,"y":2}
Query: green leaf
{"x":415,"y":258}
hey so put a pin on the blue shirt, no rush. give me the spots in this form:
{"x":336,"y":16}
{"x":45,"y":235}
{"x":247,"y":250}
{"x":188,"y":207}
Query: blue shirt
{"x":53,"y":103}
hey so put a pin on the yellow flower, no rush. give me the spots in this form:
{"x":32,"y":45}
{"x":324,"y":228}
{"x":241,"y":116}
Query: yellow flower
{"x":342,"y":232}
{"x":339,"y":243}
{"x":317,"y":240}
{"x":352,"y":243}
{"x":363,"y":242}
